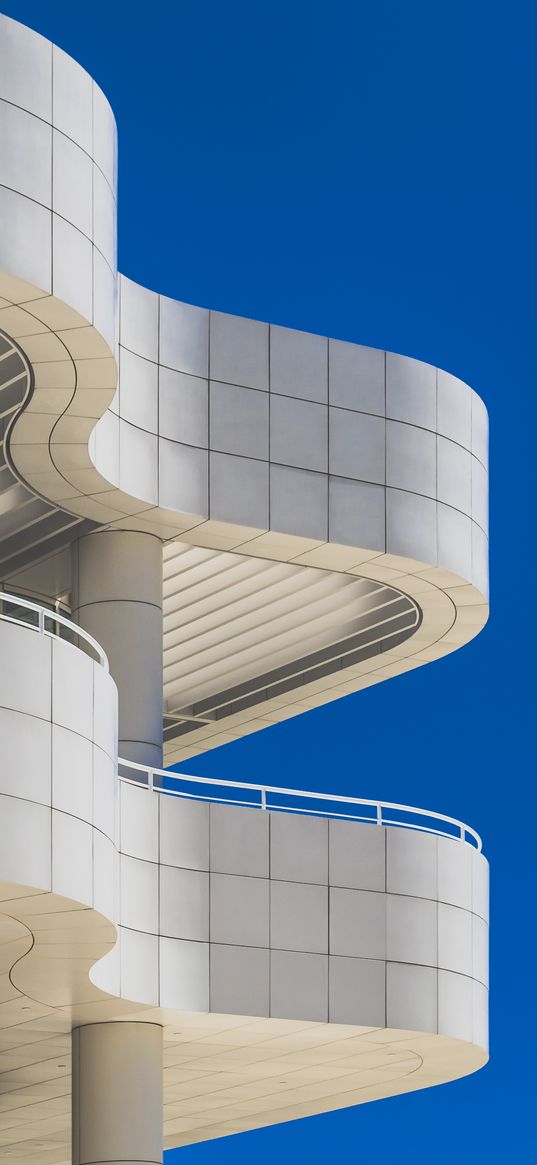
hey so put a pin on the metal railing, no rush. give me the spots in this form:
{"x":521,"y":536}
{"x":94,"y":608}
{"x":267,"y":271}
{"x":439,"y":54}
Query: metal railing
{"x":47,"y":622}
{"x":381,"y":813}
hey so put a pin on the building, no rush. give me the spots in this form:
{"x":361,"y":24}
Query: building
{"x":213,"y":524}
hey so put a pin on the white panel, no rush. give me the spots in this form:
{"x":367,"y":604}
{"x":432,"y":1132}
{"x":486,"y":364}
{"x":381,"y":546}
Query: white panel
{"x":239,"y":490}
{"x":183,"y":408}
{"x":411,"y":997}
{"x":138,"y":894}
{"x":104,"y":793}
{"x":299,"y":433}
{"x":25,"y":153}
{"x":105,"y":451}
{"x":139,"y":822}
{"x":183,"y":478}
{"x":299,"y":364}
{"x":184,"y":975}
{"x":411,"y":526}
{"x":410,"y":458}
{"x":25,"y":768}
{"x":25,"y":843}
{"x":239,"y":420}
{"x":357,"y":446}
{"x":357,"y":513}
{"x":72,"y":267}
{"x":104,"y":876}
{"x":72,"y":858}
{"x":454,"y":939}
{"x":139,"y":967}
{"x":72,"y":773}
{"x":72,"y":688}
{"x":411,"y":930}
{"x":184,"y":833}
{"x":480,"y":430}
{"x":454,"y":541}
{"x":184,"y":337}
{"x":454,"y":409}
{"x":104,"y":299}
{"x":480,"y":886}
{"x":356,"y":855}
{"x":411,"y":863}
{"x":184,"y":903}
{"x":25,"y":677}
{"x":480,"y":495}
{"x":239,"y":980}
{"x":139,"y":319}
{"x":239,"y":840}
{"x":104,"y":711}
{"x":454,"y":476}
{"x":298,"y":917}
{"x":480,"y":560}
{"x":357,"y":923}
{"x":454,"y":873}
{"x":455,"y":1006}
{"x":138,"y":456}
{"x":72,"y":190}
{"x":25,"y":68}
{"x":410,"y":391}
{"x":72,"y":105}
{"x":138,"y":390}
{"x":299,"y":502}
{"x":357,"y":991}
{"x":299,"y":986}
{"x":480,"y":950}
{"x":25,"y":243}
{"x":356,"y":377}
{"x":298,"y":848}
{"x":104,"y":136}
{"x":104,"y":217}
{"x":239,"y":351}
{"x":480,"y":1012}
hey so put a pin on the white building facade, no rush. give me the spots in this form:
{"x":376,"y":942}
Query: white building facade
{"x":208,"y":525}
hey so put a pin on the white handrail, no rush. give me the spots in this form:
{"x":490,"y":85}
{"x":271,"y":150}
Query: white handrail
{"x":377,"y":815}
{"x":44,"y":613}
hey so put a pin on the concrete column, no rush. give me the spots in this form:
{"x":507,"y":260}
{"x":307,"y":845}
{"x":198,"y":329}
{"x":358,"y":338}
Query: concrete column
{"x":117,"y":597}
{"x":117,"y":1094}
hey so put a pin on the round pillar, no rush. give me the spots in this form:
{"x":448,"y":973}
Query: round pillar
{"x":117,"y":1094}
{"x":117,"y":597}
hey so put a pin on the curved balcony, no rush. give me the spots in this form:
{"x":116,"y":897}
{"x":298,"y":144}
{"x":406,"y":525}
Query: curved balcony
{"x":335,"y":930}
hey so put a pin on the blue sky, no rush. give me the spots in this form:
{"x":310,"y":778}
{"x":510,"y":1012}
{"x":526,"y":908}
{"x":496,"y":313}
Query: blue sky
{"x":367,"y":171}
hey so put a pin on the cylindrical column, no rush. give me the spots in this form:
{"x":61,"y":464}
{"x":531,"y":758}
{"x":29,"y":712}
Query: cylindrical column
{"x":117,"y":1094}
{"x":117,"y":597}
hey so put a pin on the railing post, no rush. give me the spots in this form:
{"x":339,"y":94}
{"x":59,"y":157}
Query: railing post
{"x":463,"y":833}
{"x":263,"y":799}
{"x":379,"y":815}
{"x":150,"y":779}
{"x":41,"y":619}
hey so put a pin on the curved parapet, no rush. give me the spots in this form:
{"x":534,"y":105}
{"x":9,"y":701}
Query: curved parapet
{"x":246,"y":447}
{"x":352,"y":955}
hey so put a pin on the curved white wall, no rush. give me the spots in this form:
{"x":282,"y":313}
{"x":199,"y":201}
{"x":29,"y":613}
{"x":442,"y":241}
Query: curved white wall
{"x":58,"y":163}
{"x":237,"y":910}
{"x":223,"y":908}
{"x":58,"y":727}
{"x":271,"y":429}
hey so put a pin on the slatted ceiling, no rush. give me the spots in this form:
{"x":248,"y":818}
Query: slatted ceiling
{"x":303,"y":623}
{"x":291,"y":646}
{"x":238,"y":630}
{"x":271,"y":602}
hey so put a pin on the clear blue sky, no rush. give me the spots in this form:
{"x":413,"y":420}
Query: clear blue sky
{"x":367,"y":170}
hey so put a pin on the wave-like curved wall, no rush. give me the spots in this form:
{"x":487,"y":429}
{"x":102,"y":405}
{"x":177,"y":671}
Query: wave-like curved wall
{"x":318,"y":942}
